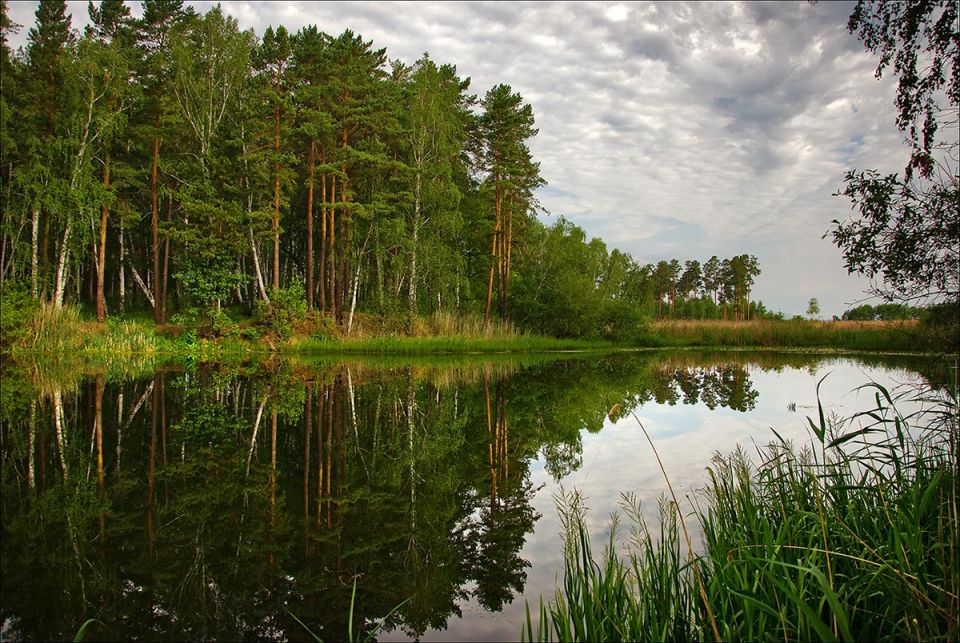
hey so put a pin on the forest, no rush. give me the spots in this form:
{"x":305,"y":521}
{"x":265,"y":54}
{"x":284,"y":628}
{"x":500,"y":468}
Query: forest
{"x":178,"y":164}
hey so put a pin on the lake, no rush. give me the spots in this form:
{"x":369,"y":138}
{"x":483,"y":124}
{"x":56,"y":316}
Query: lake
{"x":416,"y":498}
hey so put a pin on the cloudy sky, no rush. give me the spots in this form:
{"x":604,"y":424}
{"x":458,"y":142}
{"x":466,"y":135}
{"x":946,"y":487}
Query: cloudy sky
{"x":669,"y":130}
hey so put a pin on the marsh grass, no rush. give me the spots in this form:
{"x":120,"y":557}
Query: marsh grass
{"x":873,"y":336}
{"x":852,"y":538}
{"x":54,"y":329}
{"x":401,"y":345}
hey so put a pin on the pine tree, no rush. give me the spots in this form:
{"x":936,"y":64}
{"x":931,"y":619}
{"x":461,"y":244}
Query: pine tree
{"x":272,"y":61}
{"x":110,"y":25}
{"x":160,"y":19}
{"x":48,"y":44}
{"x":511,"y":176}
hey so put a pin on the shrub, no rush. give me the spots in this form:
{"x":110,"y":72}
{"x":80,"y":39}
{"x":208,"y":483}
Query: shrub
{"x":326,"y":329}
{"x":287,"y":307}
{"x":16,"y":312}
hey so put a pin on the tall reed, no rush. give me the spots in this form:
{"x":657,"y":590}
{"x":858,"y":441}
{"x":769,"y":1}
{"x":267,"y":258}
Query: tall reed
{"x":854,"y":537}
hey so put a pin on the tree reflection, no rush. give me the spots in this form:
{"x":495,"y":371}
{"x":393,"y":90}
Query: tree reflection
{"x":246,"y":493}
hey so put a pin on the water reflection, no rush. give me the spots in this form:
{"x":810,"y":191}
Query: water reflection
{"x":237,"y":501}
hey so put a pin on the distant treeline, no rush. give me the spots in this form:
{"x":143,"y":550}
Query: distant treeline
{"x":178,"y":163}
{"x":886,"y":312}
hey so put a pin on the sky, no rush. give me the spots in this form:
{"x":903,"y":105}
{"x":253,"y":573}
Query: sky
{"x":670,"y":130}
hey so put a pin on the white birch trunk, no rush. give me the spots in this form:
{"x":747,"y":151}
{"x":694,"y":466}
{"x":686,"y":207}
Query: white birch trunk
{"x":122,"y":281}
{"x":34,"y":242}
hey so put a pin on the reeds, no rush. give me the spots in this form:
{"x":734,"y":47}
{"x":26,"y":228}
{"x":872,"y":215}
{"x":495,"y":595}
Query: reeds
{"x":873,"y":336}
{"x":852,"y":538}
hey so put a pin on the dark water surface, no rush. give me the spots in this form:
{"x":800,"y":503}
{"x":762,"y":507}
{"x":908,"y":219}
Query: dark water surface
{"x":235,"y":502}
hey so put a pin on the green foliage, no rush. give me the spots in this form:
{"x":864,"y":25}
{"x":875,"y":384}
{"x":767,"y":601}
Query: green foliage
{"x":884,"y":312}
{"x":208,"y":278}
{"x":325,"y":330}
{"x":904,"y":236}
{"x":17,"y":310}
{"x":287,"y":307}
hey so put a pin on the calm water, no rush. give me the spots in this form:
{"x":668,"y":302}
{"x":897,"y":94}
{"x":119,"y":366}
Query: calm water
{"x":220,"y":501}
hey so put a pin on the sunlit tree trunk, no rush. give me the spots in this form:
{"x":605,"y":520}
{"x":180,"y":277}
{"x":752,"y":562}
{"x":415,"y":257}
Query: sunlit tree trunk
{"x":158,"y":312}
{"x":121,"y":273}
{"x":412,"y":286}
{"x":494,"y":251}
{"x":310,"y":169}
{"x":34,"y":229}
{"x":323,"y":239}
{"x":276,"y":198}
{"x":332,"y":253}
{"x":166,"y":263}
{"x":102,"y":250}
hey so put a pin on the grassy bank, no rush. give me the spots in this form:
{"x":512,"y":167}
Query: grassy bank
{"x":851,"y":335}
{"x":847,"y":540}
{"x":64,"y":331}
{"x":57,"y":333}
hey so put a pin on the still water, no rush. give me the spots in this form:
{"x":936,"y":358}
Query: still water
{"x":256,"y":500}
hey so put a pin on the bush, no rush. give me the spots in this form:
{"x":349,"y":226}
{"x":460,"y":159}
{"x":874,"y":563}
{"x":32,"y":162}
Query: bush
{"x":622,"y":321}
{"x":287,"y":307}
{"x":17,"y":309}
{"x":326,"y":329}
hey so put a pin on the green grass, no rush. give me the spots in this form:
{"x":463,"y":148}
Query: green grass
{"x":452,"y":344}
{"x":855,"y":538}
{"x":67,"y":331}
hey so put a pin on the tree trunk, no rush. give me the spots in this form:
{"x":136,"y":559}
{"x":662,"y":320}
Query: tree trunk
{"x":276,"y":198}
{"x":34,"y":230}
{"x":158,"y":312}
{"x":60,"y":283}
{"x":166,"y":265}
{"x":102,"y":250}
{"x":143,"y":287}
{"x":345,"y":230}
{"x":494,"y":246}
{"x":310,"y":164}
{"x":256,"y":256}
{"x":332,"y":231}
{"x":353,"y":300}
{"x":412,"y":287}
{"x":121,"y":275}
{"x":323,"y":240}
{"x":509,"y":252}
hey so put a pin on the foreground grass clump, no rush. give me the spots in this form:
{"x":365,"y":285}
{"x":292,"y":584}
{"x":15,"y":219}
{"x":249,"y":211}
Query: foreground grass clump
{"x":853,"y":539}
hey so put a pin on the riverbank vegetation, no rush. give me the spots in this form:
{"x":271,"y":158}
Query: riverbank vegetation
{"x":853,"y":537}
{"x":43,"y":331}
